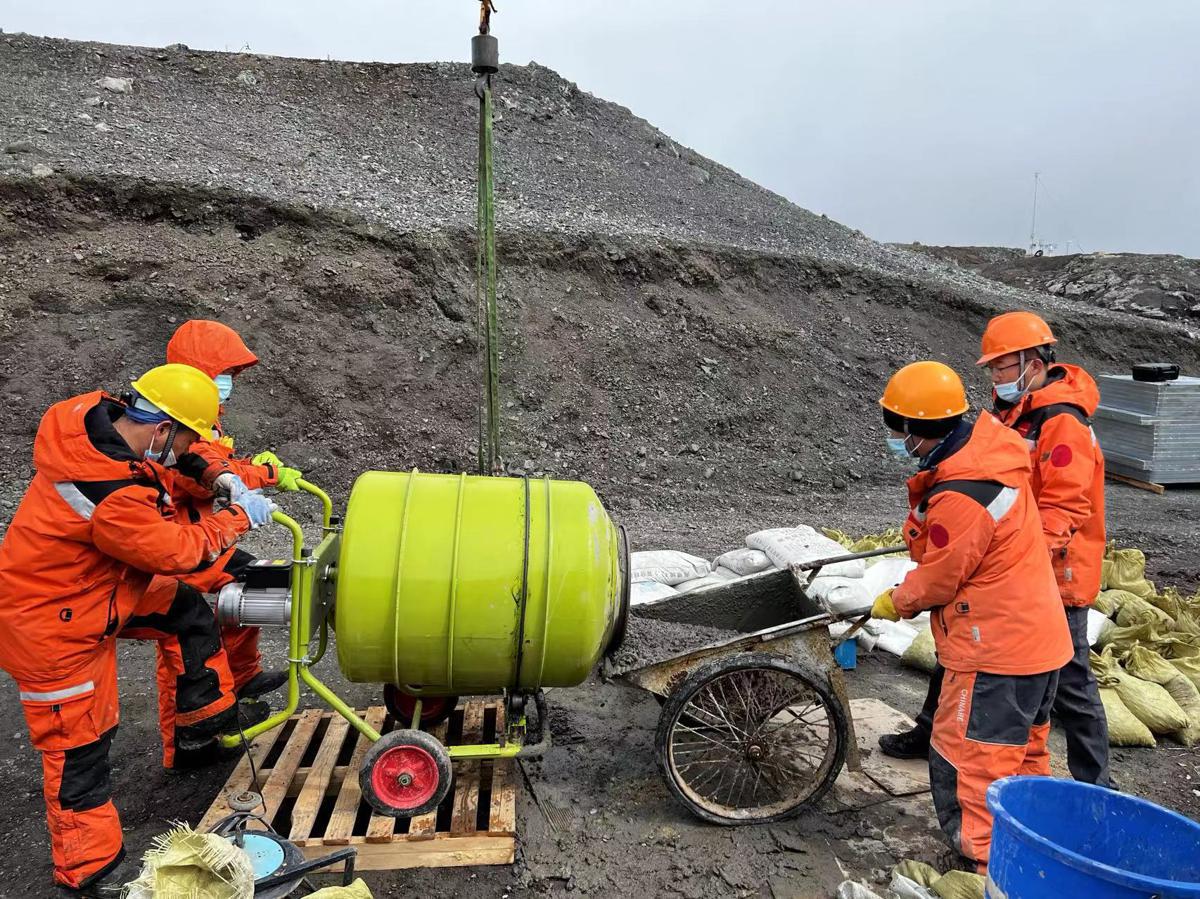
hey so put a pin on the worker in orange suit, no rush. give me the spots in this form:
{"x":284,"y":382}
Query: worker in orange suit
{"x":1049,"y":404}
{"x":218,"y":351}
{"x":94,"y":526}
{"x":983,"y":572}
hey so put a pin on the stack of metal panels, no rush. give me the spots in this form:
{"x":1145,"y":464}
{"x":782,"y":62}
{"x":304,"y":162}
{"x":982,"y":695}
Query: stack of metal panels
{"x":1150,"y":430}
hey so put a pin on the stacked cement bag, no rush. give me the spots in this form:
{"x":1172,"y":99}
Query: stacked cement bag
{"x":1149,"y":664}
{"x":654,"y":575}
{"x":839,"y":586}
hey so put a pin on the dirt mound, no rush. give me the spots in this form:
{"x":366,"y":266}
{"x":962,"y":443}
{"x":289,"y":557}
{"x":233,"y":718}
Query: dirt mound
{"x":650,"y":369}
{"x":1152,"y":286}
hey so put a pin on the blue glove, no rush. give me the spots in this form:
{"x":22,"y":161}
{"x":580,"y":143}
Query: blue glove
{"x":256,"y":506}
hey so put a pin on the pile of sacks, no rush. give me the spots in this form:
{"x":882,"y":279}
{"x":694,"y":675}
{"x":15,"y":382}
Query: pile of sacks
{"x":841,"y":586}
{"x":847,"y":588}
{"x":1148,"y":659}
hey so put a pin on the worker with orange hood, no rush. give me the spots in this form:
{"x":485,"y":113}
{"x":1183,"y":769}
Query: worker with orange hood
{"x":1049,"y":404}
{"x":982,"y":571}
{"x":75,"y":564}
{"x":218,"y":351}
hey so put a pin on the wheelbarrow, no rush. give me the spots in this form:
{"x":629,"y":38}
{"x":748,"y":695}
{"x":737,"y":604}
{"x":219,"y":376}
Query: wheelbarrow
{"x":755,"y":727}
{"x":439,"y":586}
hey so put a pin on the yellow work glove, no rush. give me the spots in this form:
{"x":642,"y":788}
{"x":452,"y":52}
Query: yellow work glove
{"x":883,"y":606}
{"x":288,"y":478}
{"x":267,"y":458}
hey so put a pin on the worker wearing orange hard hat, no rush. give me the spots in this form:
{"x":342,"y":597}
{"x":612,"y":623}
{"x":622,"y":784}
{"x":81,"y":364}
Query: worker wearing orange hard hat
{"x":93,"y":528}
{"x":218,"y":351}
{"x":1049,"y":404}
{"x":974,"y":532}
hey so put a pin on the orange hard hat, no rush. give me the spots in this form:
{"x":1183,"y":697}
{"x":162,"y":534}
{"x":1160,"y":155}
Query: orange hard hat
{"x":925,"y":390}
{"x":1013,"y":332}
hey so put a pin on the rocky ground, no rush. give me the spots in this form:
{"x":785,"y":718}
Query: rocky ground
{"x":703,"y":352}
{"x":1149,"y":285}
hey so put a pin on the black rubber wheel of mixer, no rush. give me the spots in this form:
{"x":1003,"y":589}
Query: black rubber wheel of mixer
{"x":405,"y":774}
{"x":434,"y":709}
{"x":751,"y":738}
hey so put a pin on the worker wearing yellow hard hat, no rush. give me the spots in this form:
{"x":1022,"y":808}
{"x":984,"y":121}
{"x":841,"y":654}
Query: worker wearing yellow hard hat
{"x":75,"y":566}
{"x":984,"y":576}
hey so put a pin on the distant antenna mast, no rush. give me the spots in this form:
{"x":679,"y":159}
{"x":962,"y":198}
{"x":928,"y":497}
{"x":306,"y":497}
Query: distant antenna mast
{"x":1033,"y":224}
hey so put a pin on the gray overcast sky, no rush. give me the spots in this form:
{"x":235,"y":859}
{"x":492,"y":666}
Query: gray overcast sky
{"x":910,"y":120}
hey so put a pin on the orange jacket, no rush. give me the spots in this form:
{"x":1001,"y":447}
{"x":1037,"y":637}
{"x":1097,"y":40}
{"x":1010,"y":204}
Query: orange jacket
{"x":1068,"y":476}
{"x":982,"y":568}
{"x":94,"y":525}
{"x":215,"y":348}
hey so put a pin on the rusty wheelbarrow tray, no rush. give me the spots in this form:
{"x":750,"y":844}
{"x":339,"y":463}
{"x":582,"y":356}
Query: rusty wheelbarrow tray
{"x":755,"y":726}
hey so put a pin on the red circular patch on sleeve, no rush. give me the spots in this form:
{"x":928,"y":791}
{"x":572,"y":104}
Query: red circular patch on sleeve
{"x":1060,"y":456}
{"x":939,"y":536}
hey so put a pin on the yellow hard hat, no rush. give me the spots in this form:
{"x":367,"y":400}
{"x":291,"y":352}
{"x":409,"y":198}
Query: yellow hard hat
{"x":925,"y":390}
{"x":186,"y":394}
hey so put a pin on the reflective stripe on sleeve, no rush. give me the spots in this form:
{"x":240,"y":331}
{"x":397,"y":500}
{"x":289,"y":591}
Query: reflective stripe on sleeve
{"x":74,"y":498}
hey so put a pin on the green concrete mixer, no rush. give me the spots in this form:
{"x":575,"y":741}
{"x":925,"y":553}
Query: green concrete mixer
{"x":438,"y":586}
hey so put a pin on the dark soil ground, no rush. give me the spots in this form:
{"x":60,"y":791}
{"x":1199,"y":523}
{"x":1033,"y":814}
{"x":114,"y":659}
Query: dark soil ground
{"x":625,"y":832}
{"x":704,"y":353}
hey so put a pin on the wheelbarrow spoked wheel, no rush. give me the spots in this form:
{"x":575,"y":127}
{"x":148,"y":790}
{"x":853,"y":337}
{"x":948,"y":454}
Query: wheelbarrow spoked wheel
{"x":407,"y":773}
{"x":751,"y":738}
{"x":434,"y":709}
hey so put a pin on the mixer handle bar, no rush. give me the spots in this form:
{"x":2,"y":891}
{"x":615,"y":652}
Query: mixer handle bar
{"x":326,"y":502}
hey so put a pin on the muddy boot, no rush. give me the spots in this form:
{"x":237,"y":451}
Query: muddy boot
{"x":263,"y":683}
{"x":909,"y":744}
{"x":108,"y":884}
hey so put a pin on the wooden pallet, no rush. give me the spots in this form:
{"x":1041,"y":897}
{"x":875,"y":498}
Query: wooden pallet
{"x":1135,"y":482}
{"x":308,"y":774}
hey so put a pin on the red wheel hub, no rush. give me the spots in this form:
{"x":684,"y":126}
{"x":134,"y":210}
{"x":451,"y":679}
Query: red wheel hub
{"x":405,"y":776}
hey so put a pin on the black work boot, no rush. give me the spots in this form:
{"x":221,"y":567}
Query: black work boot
{"x":240,"y":716}
{"x":909,"y":744}
{"x":108,"y":883}
{"x":263,"y":683}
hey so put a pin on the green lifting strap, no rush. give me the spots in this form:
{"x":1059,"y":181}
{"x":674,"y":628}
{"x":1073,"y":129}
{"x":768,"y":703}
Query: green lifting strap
{"x":485,"y":290}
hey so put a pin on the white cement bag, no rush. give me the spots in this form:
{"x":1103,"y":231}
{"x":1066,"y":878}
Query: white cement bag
{"x":843,"y":596}
{"x":1098,"y":624}
{"x":895,"y":636}
{"x":725,"y":573}
{"x":648,"y":591}
{"x":744,"y":561}
{"x":788,"y":546}
{"x":709,"y":580}
{"x":667,"y":566}
{"x":886,"y":573}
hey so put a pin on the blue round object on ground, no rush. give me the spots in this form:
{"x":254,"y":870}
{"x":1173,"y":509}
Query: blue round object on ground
{"x":266,"y":855}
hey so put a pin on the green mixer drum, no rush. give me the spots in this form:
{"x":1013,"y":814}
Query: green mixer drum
{"x":456,"y":584}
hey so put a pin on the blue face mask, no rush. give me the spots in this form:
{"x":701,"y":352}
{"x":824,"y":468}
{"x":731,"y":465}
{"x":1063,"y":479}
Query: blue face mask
{"x":898,"y":447}
{"x":224,"y":386}
{"x":1012,"y":391}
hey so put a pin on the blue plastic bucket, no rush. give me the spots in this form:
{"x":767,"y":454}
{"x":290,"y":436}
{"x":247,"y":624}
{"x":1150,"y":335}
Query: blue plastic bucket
{"x":846,"y":654}
{"x":1061,"y":839}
